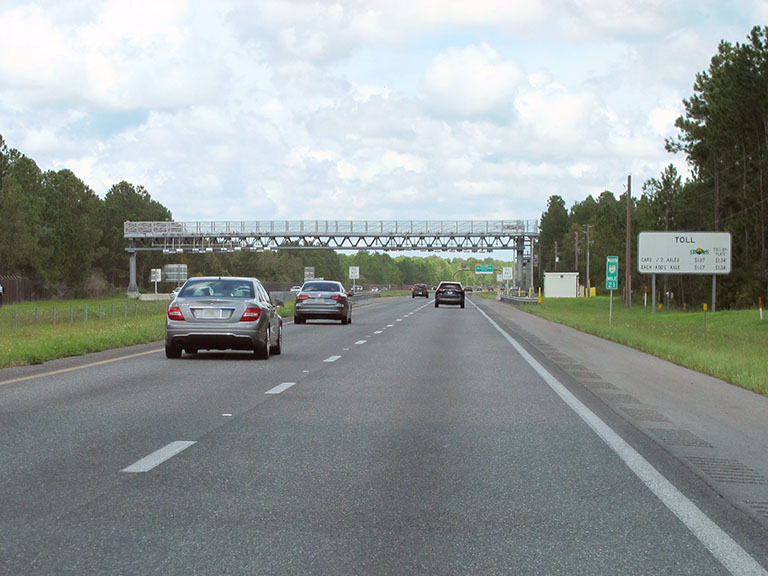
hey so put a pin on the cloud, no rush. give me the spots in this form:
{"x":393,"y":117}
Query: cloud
{"x":472,"y":81}
{"x":346,"y":109}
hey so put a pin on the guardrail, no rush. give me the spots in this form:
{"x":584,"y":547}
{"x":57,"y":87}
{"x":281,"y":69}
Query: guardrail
{"x":517,"y":300}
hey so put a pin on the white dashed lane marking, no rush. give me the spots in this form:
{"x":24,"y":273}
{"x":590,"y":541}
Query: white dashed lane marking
{"x":158,"y":457}
{"x":280,"y":388}
{"x":331,"y":358}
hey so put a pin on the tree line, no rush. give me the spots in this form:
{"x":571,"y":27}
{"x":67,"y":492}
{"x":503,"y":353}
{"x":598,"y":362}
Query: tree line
{"x":724,"y":136}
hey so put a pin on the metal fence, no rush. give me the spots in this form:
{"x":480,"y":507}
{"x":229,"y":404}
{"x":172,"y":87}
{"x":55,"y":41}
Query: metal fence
{"x":81,"y":312}
{"x":17,"y":289}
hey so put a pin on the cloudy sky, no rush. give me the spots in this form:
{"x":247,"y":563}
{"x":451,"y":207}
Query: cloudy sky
{"x":356,"y":109}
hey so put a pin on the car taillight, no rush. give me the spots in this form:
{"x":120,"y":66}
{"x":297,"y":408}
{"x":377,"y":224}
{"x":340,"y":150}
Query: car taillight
{"x":338,"y":297}
{"x":302,"y":297}
{"x":251,"y":315}
{"x":174,"y":313}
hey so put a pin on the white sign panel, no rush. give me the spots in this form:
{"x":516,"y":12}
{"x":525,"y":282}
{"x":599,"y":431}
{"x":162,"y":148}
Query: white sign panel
{"x":155,"y":275}
{"x":354,"y":272}
{"x":684,"y":253}
{"x":309,"y":273}
{"x":508,"y":273}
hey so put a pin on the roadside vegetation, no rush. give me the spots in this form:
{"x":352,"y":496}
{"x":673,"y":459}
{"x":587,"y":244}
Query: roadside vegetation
{"x":731,"y":345}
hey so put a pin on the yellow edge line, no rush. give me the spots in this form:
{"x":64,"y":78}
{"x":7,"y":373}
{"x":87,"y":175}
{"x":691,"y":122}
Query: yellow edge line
{"x":91,"y":365}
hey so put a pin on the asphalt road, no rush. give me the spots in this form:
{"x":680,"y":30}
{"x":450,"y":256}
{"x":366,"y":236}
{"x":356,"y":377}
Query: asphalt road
{"x":413,"y":441}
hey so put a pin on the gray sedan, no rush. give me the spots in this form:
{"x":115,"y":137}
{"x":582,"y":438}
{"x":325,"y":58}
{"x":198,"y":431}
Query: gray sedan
{"x":223,"y":313}
{"x":322,"y":299}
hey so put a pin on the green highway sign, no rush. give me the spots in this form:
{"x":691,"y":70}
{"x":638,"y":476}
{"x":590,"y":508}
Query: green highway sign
{"x":612,"y":273}
{"x":483,"y":268}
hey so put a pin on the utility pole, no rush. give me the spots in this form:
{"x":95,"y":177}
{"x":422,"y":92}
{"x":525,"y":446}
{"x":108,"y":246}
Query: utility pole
{"x":628,"y":257}
{"x":589,"y":291}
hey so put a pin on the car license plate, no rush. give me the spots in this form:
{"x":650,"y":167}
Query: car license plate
{"x":211,"y":313}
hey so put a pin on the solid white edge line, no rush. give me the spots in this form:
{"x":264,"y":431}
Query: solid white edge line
{"x":730,"y":554}
{"x":158,"y":457}
{"x":280,"y":388}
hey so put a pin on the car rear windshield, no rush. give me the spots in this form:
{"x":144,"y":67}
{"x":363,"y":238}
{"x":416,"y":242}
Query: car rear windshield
{"x":217,"y":288}
{"x":321,"y":287}
{"x":453,"y":285}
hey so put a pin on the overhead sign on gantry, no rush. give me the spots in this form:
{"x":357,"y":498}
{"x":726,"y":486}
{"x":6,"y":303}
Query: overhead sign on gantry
{"x":684,"y":253}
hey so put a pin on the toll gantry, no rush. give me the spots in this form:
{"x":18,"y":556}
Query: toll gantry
{"x":384,"y":235}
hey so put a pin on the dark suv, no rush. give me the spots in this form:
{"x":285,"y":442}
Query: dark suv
{"x":449,"y":293}
{"x":420,"y":290}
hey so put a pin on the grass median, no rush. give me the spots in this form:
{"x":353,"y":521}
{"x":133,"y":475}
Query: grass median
{"x":36,"y":332}
{"x":731,"y":345}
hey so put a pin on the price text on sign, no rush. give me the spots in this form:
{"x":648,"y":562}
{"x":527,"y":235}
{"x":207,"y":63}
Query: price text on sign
{"x":684,"y":253}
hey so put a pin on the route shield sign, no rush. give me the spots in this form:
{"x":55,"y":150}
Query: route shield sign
{"x":612,"y":273}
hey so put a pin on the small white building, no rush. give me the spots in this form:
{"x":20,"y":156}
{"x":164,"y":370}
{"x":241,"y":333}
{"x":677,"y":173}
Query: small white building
{"x":561,"y":284}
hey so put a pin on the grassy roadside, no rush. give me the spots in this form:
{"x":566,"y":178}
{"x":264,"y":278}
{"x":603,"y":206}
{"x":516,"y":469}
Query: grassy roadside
{"x":730,"y":345}
{"x":33,"y":333}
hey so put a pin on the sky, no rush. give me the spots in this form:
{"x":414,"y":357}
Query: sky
{"x":357,"y":109}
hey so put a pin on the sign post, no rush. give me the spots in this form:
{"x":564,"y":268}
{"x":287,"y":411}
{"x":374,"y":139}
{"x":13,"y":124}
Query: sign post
{"x":155,"y":276}
{"x":354,"y":274}
{"x":507,"y":273}
{"x":611,"y":281}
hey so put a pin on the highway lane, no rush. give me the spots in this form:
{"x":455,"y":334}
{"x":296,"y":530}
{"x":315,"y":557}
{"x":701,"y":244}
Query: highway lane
{"x":415,"y":440}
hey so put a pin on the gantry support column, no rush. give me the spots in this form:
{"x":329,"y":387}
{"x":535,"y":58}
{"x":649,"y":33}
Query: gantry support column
{"x":133,"y":287}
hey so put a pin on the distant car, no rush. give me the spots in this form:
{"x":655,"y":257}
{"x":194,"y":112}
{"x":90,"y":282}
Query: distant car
{"x":176,"y":291}
{"x":468,"y":290}
{"x":295,"y":289}
{"x":357,"y":288}
{"x":323,"y":300}
{"x":419,"y":290}
{"x":449,"y":293}
{"x":223,"y":313}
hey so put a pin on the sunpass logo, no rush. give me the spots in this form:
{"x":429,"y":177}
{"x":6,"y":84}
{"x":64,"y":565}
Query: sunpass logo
{"x":699,"y":251}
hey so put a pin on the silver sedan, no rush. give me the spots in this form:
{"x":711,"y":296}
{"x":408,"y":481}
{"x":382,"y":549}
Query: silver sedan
{"x":322,"y":299}
{"x":223,"y":313}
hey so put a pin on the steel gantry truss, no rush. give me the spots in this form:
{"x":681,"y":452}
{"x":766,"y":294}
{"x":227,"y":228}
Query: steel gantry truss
{"x":415,"y":235}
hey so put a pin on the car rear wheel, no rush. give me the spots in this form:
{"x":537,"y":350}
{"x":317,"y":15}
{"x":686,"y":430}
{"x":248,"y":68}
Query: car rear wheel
{"x":262,"y":348}
{"x":278,"y":347}
{"x":297,"y":320}
{"x":172,"y":351}
{"x":437,"y":305}
{"x":462,"y":303}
